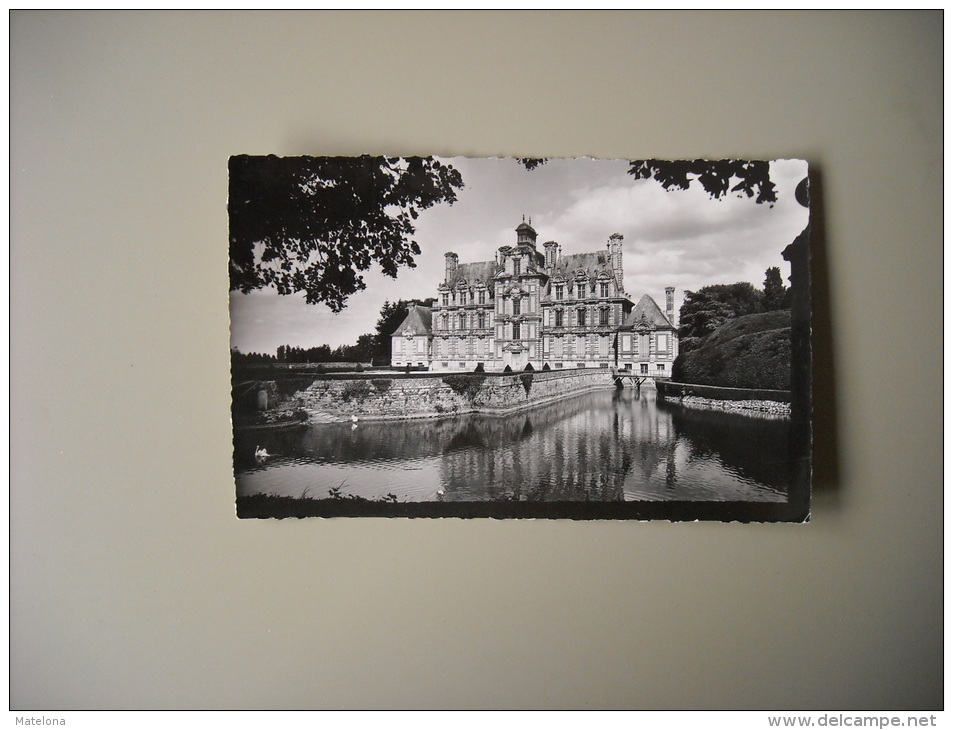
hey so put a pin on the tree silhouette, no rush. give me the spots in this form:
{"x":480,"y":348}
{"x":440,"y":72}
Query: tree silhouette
{"x":717,"y":177}
{"x":775,"y":293}
{"x":311,"y":224}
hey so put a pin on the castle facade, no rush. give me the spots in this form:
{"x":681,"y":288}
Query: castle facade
{"x":531,"y":307}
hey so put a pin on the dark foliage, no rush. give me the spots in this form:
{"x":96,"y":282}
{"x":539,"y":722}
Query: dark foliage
{"x":776,"y":295}
{"x":702,"y":312}
{"x":753,"y":351}
{"x":531,"y":163}
{"x":465,"y":384}
{"x":527,"y":380}
{"x":717,"y":177}
{"x":311,"y":224}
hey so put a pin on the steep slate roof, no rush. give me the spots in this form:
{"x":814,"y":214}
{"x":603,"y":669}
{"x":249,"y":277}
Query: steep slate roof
{"x":647,"y":312}
{"x":592,"y":263}
{"x":471,"y":273}
{"x":418,"y":317}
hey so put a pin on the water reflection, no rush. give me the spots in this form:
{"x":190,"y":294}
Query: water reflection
{"x":605,"y":446}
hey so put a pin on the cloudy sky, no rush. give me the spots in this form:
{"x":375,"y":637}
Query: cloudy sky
{"x":680,"y":238}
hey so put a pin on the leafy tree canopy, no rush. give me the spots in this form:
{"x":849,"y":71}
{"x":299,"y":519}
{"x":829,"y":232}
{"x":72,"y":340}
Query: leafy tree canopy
{"x":776,"y":294}
{"x":711,"y":306}
{"x":717,"y":177}
{"x":311,"y":224}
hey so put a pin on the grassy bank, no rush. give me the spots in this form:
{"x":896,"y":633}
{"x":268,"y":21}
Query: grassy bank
{"x":751,"y":352}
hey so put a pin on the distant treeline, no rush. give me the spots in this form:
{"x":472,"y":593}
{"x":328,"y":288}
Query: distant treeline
{"x":373,"y":347}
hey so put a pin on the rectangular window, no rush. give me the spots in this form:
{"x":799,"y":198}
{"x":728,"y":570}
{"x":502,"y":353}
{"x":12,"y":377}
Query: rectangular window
{"x":662,"y":343}
{"x":481,"y":320}
{"x":580,"y":364}
{"x":604,"y":289}
{"x":603,"y":317}
{"x":559,"y":292}
{"x":516,"y":267}
{"x":546,"y":345}
{"x":559,"y":318}
{"x":471,"y":296}
{"x":516,"y":330}
{"x":463,"y":322}
{"x":462,"y":364}
{"x":516,"y":305}
{"x":626,"y":343}
{"x":482,"y":296}
{"x":580,"y":317}
{"x":580,"y":291}
{"x":559,"y":364}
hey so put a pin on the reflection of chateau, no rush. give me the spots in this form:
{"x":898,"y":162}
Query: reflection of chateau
{"x":527,"y":307}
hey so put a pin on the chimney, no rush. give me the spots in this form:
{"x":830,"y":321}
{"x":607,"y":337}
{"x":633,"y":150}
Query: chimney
{"x":452,"y":260}
{"x":615,"y":258}
{"x":670,"y":304}
{"x":552,"y":253}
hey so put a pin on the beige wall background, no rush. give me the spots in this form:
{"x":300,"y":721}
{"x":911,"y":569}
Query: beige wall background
{"x":132,"y":583}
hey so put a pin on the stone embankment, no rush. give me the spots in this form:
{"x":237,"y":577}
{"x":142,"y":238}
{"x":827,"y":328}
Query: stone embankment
{"x":386,"y":398}
{"x":775,"y":402}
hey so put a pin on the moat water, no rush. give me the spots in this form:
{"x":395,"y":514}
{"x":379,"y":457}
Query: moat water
{"x":604,"y":445}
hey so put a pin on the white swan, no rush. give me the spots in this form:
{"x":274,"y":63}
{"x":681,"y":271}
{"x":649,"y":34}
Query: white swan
{"x":261,"y":454}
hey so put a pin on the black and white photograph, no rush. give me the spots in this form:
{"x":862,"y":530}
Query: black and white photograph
{"x":573,"y":338}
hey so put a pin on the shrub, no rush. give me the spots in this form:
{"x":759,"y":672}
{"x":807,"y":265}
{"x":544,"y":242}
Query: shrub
{"x":527,"y":380}
{"x":355,"y":390}
{"x":465,"y":385}
{"x":382,"y":384}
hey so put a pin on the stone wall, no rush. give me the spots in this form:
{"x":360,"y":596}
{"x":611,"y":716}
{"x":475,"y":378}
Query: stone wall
{"x":428,"y":397}
{"x":775,"y":402}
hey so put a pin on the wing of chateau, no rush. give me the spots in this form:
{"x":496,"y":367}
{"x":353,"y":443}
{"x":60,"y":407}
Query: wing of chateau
{"x":527,"y":307}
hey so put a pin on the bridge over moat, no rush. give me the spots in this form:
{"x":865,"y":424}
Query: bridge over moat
{"x":634,"y":379}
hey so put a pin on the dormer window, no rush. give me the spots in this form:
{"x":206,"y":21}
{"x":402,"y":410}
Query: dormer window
{"x":482,"y":296}
{"x":604,"y":289}
{"x":559,"y":292}
{"x":580,"y":291}
{"x":516,"y":267}
{"x":446,"y":299}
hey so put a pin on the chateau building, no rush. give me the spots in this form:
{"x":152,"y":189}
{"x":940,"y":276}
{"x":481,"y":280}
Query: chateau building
{"x":531,"y":307}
